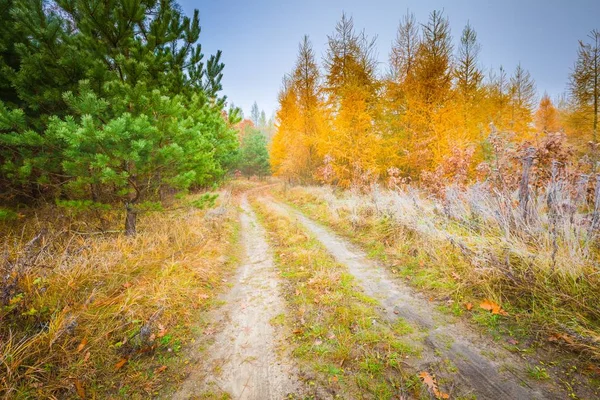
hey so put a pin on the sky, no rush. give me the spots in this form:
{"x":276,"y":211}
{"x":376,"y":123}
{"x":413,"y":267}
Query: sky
{"x":259,"y":39}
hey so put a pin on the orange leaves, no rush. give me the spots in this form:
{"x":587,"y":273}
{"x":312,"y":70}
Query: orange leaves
{"x":120,"y":364}
{"x":82,"y":345}
{"x":495,"y":308}
{"x":432,"y":386}
{"x":561,"y":336}
{"x":160,"y":369}
{"x":79,"y":388}
{"x":469,"y":306}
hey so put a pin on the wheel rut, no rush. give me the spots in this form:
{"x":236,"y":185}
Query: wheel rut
{"x":476,"y":372}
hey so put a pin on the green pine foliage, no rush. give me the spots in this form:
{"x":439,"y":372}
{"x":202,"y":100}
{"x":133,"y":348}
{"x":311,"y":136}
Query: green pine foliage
{"x":110,"y":101}
{"x":254,"y":155}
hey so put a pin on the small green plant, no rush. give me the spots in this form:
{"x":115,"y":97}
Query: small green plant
{"x":207,"y":200}
{"x":7,"y":215}
{"x":538,"y":373}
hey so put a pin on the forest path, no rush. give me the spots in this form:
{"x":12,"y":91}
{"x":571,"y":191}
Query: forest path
{"x":481,"y":367}
{"x":247,"y":358}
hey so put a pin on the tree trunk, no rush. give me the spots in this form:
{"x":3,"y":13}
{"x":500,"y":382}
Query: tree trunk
{"x":130,"y":220}
{"x":524,"y":187}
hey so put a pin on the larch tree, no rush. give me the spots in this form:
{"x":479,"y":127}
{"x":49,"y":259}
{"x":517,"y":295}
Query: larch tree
{"x":306,"y":80}
{"x":584,"y":87}
{"x":547,"y":116}
{"x":397,"y":99}
{"x":469,"y":78}
{"x":522,"y":92}
{"x":286,"y":142}
{"x":351,"y":86}
{"x":433,"y":84}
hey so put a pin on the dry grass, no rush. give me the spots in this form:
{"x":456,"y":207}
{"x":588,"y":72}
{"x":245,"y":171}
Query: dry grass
{"x":77,"y":303}
{"x":476,"y":245}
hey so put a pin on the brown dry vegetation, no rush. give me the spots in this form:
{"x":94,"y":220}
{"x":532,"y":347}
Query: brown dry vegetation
{"x":86,"y":313}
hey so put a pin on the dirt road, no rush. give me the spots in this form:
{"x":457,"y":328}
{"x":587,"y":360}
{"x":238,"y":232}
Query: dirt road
{"x":246,"y":358}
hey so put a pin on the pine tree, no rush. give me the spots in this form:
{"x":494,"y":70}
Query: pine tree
{"x":254,"y":157}
{"x":147,"y":116}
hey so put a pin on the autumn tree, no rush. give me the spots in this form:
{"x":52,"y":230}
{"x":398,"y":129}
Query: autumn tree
{"x":584,"y":86}
{"x":351,"y":86}
{"x":286,"y":140}
{"x":522,"y":91}
{"x":547,"y":116}
{"x":432,"y":89}
{"x":468,"y":82}
{"x":396,"y":102}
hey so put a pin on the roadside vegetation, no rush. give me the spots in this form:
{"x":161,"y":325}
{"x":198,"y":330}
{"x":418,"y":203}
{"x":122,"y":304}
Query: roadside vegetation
{"x":86,"y":313}
{"x":468,"y":249}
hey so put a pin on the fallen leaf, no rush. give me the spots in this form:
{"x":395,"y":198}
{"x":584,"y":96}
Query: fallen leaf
{"x":431,"y":384}
{"x":469,"y":306}
{"x":160,"y":369}
{"x":512,"y":341}
{"x":80,"y":389}
{"x":594,"y":369}
{"x":82,"y":345}
{"x":120,"y":364}
{"x":87,"y":356}
{"x":161,"y":331}
{"x":210,"y":331}
{"x":495,"y":308}
{"x":127,"y":285}
{"x":561,"y":336}
{"x":428,"y":380}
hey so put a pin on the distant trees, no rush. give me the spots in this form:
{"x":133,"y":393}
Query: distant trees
{"x":110,"y":103}
{"x":255,"y":114}
{"x":254,"y":156}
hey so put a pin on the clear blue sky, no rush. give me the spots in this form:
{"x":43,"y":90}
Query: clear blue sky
{"x":260,"y":39}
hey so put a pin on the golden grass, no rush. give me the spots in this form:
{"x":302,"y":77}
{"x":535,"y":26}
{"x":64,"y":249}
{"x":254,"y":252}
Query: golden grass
{"x":102,"y":315}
